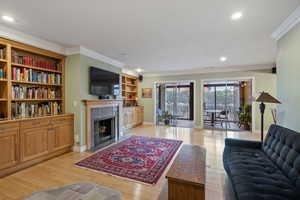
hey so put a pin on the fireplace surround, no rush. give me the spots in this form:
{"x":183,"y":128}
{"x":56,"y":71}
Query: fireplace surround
{"x":103,"y":122}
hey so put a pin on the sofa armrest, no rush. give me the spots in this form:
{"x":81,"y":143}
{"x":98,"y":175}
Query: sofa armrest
{"x":242,"y":143}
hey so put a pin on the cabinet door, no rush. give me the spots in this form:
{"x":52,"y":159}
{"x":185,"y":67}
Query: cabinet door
{"x":130,"y":118}
{"x":135,"y":116}
{"x":64,"y":136}
{"x":34,"y":143}
{"x":125,"y":118}
{"x":9,"y":148}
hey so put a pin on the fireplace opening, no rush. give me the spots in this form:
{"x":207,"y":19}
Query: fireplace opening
{"x":104,"y":130}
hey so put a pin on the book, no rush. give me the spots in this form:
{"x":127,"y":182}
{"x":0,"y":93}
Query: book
{"x":27,"y":110}
{"x":25,"y":92}
{"x":35,"y":61}
{"x":30,"y":75}
{"x":2,"y":75}
{"x":2,"y":53}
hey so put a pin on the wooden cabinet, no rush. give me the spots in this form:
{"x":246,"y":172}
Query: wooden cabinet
{"x":133,"y":116}
{"x":27,"y":142}
{"x":34,"y":143}
{"x":9,"y":145}
{"x":63,"y":134}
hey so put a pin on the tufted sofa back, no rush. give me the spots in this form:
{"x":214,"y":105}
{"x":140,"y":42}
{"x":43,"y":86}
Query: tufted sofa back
{"x":282,"y":146}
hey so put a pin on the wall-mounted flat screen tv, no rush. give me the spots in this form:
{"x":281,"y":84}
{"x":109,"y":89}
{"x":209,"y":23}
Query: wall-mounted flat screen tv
{"x":104,"y":83}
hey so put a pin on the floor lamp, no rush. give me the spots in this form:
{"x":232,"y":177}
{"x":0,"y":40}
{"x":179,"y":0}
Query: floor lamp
{"x":264,"y":97}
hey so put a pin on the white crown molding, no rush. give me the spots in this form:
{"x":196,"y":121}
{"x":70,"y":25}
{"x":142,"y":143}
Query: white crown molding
{"x":72,"y":51}
{"x":18,"y":36}
{"x":287,"y":25}
{"x":129,"y":72}
{"x":211,"y":70}
{"x":90,"y":53}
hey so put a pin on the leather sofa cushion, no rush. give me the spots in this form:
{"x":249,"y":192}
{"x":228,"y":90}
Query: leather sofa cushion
{"x":255,"y":177}
{"x":282,"y":146}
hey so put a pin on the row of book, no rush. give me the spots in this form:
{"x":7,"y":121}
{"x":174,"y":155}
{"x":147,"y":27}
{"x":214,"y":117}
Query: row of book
{"x":2,"y":73}
{"x":35,"y":61}
{"x":26,"y":110}
{"x":24,"y":92}
{"x":30,"y":75}
{"x":3,"y":53}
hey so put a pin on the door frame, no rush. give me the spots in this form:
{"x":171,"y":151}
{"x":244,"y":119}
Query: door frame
{"x":252,"y":78}
{"x":178,"y":81}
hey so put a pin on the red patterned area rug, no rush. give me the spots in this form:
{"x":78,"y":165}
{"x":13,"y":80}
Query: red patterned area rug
{"x":142,"y":159}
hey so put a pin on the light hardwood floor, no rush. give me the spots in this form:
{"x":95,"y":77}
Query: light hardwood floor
{"x":61,"y":170}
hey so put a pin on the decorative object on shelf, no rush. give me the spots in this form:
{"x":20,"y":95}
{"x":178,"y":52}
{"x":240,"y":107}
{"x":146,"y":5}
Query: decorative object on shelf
{"x":147,"y":92}
{"x":265,"y":97}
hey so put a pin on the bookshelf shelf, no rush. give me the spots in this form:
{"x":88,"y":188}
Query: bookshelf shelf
{"x":21,"y":63}
{"x":35,"y":68}
{"x":20,"y":100}
{"x":35,"y":83}
{"x":130,"y":85}
{"x":129,"y":90}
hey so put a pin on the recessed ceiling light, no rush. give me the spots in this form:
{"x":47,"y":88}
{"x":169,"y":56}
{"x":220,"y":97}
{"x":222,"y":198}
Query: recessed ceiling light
{"x":139,"y":70}
{"x":236,"y":15}
{"x":8,"y":18}
{"x":223,"y":59}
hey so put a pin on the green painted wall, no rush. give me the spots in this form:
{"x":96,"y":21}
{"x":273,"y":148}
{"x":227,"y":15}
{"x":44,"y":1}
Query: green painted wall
{"x":288,"y":68}
{"x":72,"y":72}
{"x":77,"y":89}
{"x":264,"y":81}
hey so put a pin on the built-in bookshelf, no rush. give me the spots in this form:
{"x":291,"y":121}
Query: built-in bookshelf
{"x":129,"y":90}
{"x":31,"y":81}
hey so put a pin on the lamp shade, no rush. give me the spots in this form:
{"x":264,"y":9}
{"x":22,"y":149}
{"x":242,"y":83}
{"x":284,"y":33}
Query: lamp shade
{"x":267,"y":98}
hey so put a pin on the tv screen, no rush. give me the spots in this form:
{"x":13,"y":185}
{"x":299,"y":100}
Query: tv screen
{"x":104,"y":82}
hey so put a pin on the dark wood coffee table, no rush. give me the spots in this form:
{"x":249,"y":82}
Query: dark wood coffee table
{"x":186,"y":176}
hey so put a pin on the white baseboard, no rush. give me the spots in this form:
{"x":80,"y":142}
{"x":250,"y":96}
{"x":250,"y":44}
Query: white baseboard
{"x":258,"y":131}
{"x":77,"y":148}
{"x":200,"y":127}
{"x":148,"y":123}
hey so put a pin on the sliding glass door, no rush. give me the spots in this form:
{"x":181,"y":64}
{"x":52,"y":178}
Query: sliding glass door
{"x":178,"y":101}
{"x":222,"y":104}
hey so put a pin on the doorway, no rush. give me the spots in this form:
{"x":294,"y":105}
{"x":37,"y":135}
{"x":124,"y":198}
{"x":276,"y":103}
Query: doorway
{"x":175,"y":104}
{"x":228,"y":105}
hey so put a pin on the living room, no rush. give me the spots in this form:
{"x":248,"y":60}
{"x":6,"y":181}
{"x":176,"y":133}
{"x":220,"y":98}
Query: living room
{"x":149,"y":100}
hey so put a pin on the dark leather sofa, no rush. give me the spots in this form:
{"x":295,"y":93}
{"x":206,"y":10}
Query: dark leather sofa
{"x":268,"y":171}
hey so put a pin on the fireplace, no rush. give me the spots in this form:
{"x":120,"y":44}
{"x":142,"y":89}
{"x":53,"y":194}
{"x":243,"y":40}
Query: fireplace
{"x":104,"y":130}
{"x":104,"y":121}
{"x":104,"y":127}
